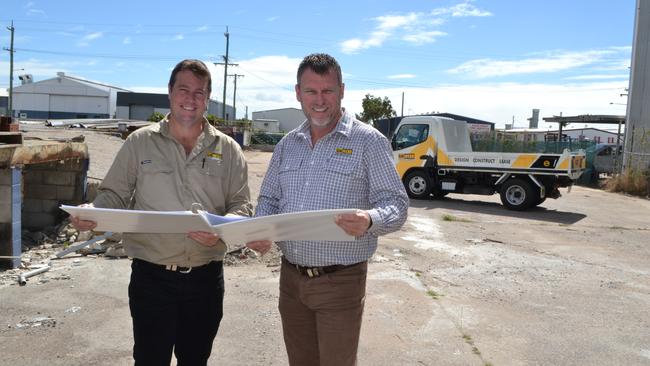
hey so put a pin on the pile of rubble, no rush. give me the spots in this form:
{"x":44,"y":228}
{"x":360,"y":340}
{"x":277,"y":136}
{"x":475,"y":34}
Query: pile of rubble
{"x":46,"y":253}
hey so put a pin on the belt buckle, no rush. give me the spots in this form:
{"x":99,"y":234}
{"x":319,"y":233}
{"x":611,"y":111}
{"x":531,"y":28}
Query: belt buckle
{"x":313,"y":272}
{"x":175,"y":268}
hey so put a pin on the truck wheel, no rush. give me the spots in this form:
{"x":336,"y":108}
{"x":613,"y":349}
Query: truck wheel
{"x":418,"y":185}
{"x":517,"y":194}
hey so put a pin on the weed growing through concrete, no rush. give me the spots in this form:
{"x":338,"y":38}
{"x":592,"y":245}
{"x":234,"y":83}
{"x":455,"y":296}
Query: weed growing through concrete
{"x":448,"y":217}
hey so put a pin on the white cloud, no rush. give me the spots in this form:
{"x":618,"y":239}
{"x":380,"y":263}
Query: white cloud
{"x":93,"y":36}
{"x":202,"y":28}
{"x":272,"y":19}
{"x":622,"y":64}
{"x":127,"y":40}
{"x":351,"y":45}
{"x":31,"y":12}
{"x":485,"y":68}
{"x":40,"y":70}
{"x":423,"y":37}
{"x":599,"y":77}
{"x":468,"y":10}
{"x":415,"y":28}
{"x":178,"y":37}
{"x":85,"y":40}
{"x":402,"y":76}
{"x":268,"y":83}
{"x":497,"y":103}
{"x":389,"y":22}
{"x":465,"y":9}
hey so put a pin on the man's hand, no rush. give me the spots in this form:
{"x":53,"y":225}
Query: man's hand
{"x":83,"y":225}
{"x":355,"y":224}
{"x":204,"y":238}
{"x":261,"y":246}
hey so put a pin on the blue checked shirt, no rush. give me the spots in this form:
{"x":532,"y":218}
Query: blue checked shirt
{"x":351,"y":167}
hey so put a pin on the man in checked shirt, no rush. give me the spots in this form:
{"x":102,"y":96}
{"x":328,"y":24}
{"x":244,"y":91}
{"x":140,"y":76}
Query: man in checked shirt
{"x":331,"y":161}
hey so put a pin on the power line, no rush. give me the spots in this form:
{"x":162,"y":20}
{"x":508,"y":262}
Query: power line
{"x":99,"y":55}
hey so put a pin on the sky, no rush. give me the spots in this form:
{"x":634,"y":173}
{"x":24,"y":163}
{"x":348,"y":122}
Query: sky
{"x":493,"y":60}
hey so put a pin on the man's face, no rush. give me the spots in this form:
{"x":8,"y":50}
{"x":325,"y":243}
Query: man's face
{"x":320,"y":97}
{"x":188,"y":98}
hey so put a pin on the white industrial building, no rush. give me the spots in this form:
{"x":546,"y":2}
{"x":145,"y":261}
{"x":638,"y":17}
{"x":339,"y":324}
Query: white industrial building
{"x":64,"y":96}
{"x":278,"y":120}
{"x":574,"y":134}
{"x":140,"y":106}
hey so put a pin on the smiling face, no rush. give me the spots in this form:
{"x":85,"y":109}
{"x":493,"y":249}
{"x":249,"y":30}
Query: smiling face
{"x":320,"y":96}
{"x":188,"y":98}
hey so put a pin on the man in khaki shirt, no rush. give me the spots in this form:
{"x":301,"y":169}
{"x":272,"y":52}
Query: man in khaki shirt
{"x":176,"y":290}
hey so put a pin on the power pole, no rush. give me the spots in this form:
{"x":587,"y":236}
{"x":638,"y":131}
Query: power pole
{"x":402,"y":104}
{"x":234,"y":94}
{"x":225,"y":62}
{"x":11,"y":70}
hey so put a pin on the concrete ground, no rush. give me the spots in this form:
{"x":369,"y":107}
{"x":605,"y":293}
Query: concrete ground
{"x":466,"y":282}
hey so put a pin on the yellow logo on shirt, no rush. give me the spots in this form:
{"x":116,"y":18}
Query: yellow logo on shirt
{"x":215,"y":155}
{"x":340,"y":150}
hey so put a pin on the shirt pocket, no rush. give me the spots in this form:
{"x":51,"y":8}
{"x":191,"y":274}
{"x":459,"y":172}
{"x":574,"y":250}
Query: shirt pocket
{"x":214,"y":167}
{"x":344,"y":178}
{"x":344,"y":166}
{"x":289,"y":174}
{"x":156,"y":180}
{"x":156,"y":169}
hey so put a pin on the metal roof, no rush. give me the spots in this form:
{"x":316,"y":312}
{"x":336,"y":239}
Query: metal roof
{"x":587,"y":118}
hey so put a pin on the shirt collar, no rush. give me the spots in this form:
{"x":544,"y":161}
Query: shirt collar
{"x":209,"y":134}
{"x":343,"y":126}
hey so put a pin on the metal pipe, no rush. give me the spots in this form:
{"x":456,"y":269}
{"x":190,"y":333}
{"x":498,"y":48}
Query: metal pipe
{"x":22,"y":279}
{"x":74,"y":248}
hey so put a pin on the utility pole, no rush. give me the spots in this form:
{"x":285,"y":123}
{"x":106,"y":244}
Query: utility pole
{"x":234,"y":94}
{"x":225,"y":73}
{"x":11,"y":70}
{"x":402,"y":104}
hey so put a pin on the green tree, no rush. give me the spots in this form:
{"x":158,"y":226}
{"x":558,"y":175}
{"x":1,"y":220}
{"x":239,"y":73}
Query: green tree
{"x":156,"y":117}
{"x":375,"y":108}
{"x":214,"y":120}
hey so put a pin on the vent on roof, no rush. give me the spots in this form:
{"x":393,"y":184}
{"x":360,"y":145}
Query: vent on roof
{"x":60,"y":74}
{"x":26,"y":79}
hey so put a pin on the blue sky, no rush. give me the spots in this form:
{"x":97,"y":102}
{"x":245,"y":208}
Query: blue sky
{"x":494,"y":59}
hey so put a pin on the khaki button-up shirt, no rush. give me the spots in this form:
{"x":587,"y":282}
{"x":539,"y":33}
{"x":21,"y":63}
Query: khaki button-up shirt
{"x":152,"y":172}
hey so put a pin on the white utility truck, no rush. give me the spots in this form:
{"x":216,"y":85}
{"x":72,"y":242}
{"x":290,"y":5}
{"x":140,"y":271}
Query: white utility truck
{"x":434,"y":157}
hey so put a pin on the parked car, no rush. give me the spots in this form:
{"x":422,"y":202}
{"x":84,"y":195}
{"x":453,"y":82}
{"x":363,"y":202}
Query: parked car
{"x":607,"y":158}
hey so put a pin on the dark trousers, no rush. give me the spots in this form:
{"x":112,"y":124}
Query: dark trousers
{"x":175,"y":311}
{"x":321,"y":316}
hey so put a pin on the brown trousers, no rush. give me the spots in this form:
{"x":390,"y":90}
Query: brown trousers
{"x":321,"y":316}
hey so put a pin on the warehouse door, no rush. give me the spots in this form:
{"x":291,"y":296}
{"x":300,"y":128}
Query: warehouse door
{"x":140,"y":112}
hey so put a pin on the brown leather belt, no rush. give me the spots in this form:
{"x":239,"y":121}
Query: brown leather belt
{"x":317,"y":271}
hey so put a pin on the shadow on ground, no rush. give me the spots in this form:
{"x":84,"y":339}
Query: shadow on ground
{"x":492,"y":208}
